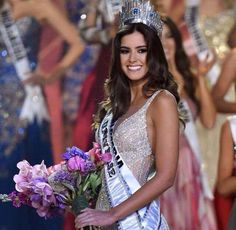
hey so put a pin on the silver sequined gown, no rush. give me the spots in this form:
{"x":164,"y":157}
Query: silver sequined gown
{"x":132,"y":143}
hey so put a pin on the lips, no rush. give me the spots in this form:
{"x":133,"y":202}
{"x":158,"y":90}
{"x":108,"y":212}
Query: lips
{"x":134,"y":67}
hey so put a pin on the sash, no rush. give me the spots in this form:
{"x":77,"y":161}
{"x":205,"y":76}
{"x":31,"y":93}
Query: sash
{"x":112,"y":8}
{"x":191,"y":135}
{"x":34,"y":104}
{"x":120,"y":184}
{"x":232,"y":122}
{"x":191,"y":18}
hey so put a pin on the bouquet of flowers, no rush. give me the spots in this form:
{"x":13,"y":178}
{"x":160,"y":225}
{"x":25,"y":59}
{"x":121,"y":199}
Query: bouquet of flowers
{"x":71,"y":185}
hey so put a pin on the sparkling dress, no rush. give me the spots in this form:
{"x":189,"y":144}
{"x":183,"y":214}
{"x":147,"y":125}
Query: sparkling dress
{"x":18,"y":139}
{"x":131,"y":140}
{"x":184,"y":205}
{"x":215,"y":30}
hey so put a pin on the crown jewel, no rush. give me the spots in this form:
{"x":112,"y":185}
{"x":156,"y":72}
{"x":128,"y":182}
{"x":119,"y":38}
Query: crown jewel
{"x":140,"y":11}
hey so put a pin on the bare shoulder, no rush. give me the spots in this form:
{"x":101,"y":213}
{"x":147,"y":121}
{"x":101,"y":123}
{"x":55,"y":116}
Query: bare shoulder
{"x":164,"y":98}
{"x":163,"y":103}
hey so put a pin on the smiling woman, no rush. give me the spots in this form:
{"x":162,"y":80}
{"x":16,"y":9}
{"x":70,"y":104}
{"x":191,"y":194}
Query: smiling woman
{"x":138,"y":88}
{"x":133,"y":55}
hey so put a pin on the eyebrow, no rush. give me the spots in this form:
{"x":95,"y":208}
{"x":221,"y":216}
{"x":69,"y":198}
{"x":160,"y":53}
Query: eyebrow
{"x":138,"y":47}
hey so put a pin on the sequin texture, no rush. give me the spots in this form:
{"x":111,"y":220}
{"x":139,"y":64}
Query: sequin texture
{"x":12,"y":92}
{"x":131,"y":140}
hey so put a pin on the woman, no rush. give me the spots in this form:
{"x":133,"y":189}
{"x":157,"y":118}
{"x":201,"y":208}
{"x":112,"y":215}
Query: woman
{"x":77,"y":74}
{"x":139,"y":87}
{"x":226,"y":79}
{"x":187,"y":205}
{"x":23,"y":114}
{"x":224,"y":84}
{"x":98,"y":29}
{"x":226,"y":180}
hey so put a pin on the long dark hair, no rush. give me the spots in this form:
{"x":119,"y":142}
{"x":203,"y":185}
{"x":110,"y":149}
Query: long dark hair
{"x":182,"y":61}
{"x":1,"y":3}
{"x":158,"y":77}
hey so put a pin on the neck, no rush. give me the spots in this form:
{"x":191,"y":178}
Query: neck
{"x":136,"y":93}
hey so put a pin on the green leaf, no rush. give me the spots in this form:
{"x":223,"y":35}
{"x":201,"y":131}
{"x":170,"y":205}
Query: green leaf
{"x":69,"y":186}
{"x":86,"y":186}
{"x":78,"y":204}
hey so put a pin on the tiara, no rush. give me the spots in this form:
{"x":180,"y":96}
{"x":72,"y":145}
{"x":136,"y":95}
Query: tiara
{"x":140,"y":11}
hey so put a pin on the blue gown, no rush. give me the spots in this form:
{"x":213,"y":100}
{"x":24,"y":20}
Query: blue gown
{"x":18,"y":139}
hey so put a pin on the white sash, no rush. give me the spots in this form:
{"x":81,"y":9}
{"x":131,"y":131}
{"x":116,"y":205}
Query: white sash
{"x":192,"y":138}
{"x":121,"y":184}
{"x":232,"y":122}
{"x":112,"y":8}
{"x":191,"y":18}
{"x":34,"y":104}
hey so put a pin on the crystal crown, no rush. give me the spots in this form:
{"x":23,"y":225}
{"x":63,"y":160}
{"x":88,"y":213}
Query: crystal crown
{"x":140,"y":11}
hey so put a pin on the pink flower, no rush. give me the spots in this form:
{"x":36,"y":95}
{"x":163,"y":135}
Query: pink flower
{"x":106,"y":157}
{"x":76,"y":163}
{"x":25,"y":168}
{"x":56,"y":167}
{"x":22,"y":179}
{"x":97,"y":156}
{"x":96,"y":145}
{"x":40,"y":170}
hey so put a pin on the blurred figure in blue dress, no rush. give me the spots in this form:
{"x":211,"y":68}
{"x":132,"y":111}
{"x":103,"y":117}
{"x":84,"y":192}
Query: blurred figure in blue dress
{"x":23,"y":114}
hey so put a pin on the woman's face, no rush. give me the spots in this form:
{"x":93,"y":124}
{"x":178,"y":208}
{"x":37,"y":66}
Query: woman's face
{"x":168,"y":43}
{"x":133,"y":56}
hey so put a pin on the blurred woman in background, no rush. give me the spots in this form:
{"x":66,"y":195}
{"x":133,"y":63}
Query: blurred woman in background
{"x":24,"y":119}
{"x":188,"y":204}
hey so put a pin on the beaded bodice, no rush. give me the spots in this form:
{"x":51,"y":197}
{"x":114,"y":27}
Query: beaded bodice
{"x":130,"y":137}
{"x":131,"y":141}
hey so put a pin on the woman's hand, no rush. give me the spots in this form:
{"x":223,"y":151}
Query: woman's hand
{"x":94,"y":217}
{"x":206,"y":64}
{"x":36,"y":78}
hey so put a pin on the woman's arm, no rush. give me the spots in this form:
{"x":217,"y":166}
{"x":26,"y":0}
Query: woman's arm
{"x":165,"y":140}
{"x":207,"y":108}
{"x":226,"y":183}
{"x":225,"y":80}
{"x":68,"y":32}
{"x":46,"y":11}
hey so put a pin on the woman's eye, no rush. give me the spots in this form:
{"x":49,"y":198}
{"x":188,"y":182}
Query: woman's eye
{"x":142,"y":50}
{"x":124,"y":51}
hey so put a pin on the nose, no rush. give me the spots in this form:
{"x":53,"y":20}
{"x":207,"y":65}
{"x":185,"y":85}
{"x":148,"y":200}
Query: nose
{"x":132,"y":57}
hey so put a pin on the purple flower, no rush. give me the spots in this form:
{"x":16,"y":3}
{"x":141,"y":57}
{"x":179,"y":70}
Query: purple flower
{"x":106,"y":157}
{"x":18,"y":199}
{"x":74,"y":151}
{"x":76,"y":163}
{"x":53,"y":190}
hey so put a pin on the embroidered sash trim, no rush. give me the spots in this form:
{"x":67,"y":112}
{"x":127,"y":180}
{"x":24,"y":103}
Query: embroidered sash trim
{"x":34,"y":104}
{"x":120,"y":184}
{"x":191,"y":18}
